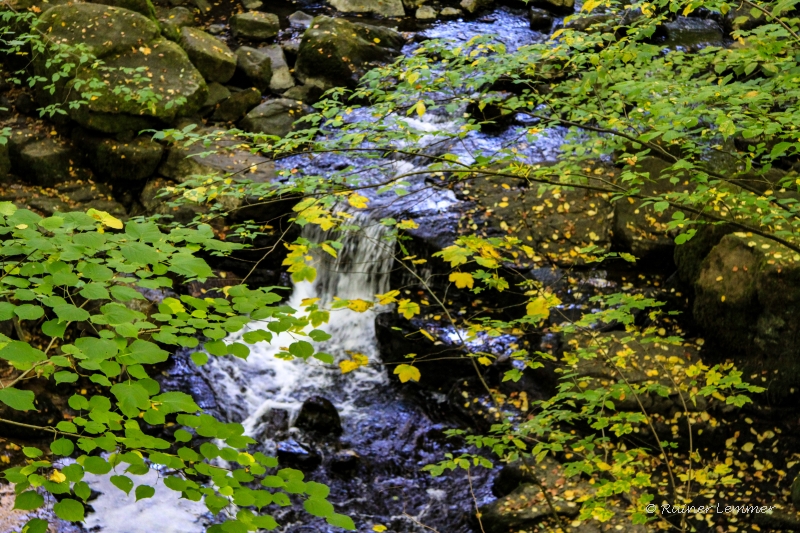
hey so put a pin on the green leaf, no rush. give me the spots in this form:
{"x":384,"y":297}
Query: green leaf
{"x":82,"y":490}
{"x":71,"y":313}
{"x":317,"y":490}
{"x":6,"y":311}
{"x":131,"y":398}
{"x":176,"y":402}
{"x":95,"y":291}
{"x":318,"y":507}
{"x":342,"y":521}
{"x":32,"y":452}
{"x":96,"y":465}
{"x":70,"y":510}
{"x":125,"y":294}
{"x":65,"y":377}
{"x":21,"y":353}
{"x":123,"y":483}
{"x":21,"y":400}
{"x":54,"y":328}
{"x":35,"y":525}
{"x":147,"y":353}
{"x":29,"y":312}
{"x":144,"y":491}
{"x":200,"y":358}
{"x":62,"y":447}
{"x":28,"y":501}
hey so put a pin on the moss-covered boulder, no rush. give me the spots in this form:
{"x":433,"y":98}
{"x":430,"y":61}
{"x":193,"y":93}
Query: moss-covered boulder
{"x":145,"y":7}
{"x":384,"y":8}
{"x":169,"y":87}
{"x":255,"y":26}
{"x":275,"y":117}
{"x":335,"y":52}
{"x":237,"y":105}
{"x":48,"y":162}
{"x":5,"y":161}
{"x":144,"y":80}
{"x":209,"y":55}
{"x":255,"y":66}
{"x":176,"y":19}
{"x":119,"y":162}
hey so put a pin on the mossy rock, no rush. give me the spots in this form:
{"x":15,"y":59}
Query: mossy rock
{"x":176,"y":89}
{"x":120,"y":162}
{"x":275,"y":117}
{"x":335,"y":52}
{"x":145,"y":7}
{"x":210,"y":56}
{"x":5,"y":161}
{"x":255,"y":65}
{"x":255,"y":26}
{"x":384,"y":8}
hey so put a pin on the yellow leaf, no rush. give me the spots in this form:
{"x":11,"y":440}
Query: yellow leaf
{"x":689,"y":8}
{"x":485,"y":361}
{"x":376,"y":40}
{"x":357,"y":201}
{"x":408,"y":308}
{"x":306,"y":302}
{"x":348,"y":366}
{"x":407,"y":224}
{"x":387,"y":298}
{"x":105,"y":218}
{"x":462,"y":279}
{"x":590,"y":5}
{"x":358,"y":305}
{"x":379,"y":528}
{"x":407,"y":372}
{"x":538,"y":307}
{"x":421,"y":108}
{"x":57,"y":476}
{"x":427,"y":335}
{"x":747,"y":447}
{"x":328,"y":248}
{"x":360,"y":358}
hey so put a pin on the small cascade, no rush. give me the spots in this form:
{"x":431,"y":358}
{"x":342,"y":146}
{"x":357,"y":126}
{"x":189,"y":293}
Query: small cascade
{"x":248,"y":390}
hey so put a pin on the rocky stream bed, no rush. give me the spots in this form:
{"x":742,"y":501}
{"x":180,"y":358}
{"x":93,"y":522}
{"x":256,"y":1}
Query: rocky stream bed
{"x":259,"y":65}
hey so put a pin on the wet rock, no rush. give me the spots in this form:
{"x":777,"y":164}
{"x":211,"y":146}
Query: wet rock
{"x":298,"y":19}
{"x":345,"y":463}
{"x":145,"y":7}
{"x":692,"y":33}
{"x":559,"y":7}
{"x":47,"y":162}
{"x":689,"y":256}
{"x":120,"y":162}
{"x":598,"y":22}
{"x":318,"y":415}
{"x":173,"y":75}
{"x":227,"y":159}
{"x":641,"y":230}
{"x":252,"y":5}
{"x":293,"y":454}
{"x":177,"y":18}
{"x":217,"y":29}
{"x":5,"y":161}
{"x":237,"y":105}
{"x":336,"y":52}
{"x":384,"y":8}
{"x":281,"y":76}
{"x":425,"y":13}
{"x":308,"y":94}
{"x":747,"y":298}
{"x":473,"y":6}
{"x":212,"y":57}
{"x":274,"y":422}
{"x":275,"y":117}
{"x":449,"y":13}
{"x":541,"y":20}
{"x":255,"y":26}
{"x":216,"y":94}
{"x":255,"y":65}
{"x":291,"y":48}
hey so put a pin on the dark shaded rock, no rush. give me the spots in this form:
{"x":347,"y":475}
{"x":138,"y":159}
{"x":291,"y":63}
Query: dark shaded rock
{"x":5,"y":161}
{"x":275,"y":117}
{"x":216,"y":94}
{"x":318,"y":415}
{"x":689,"y":256}
{"x":592,"y":23}
{"x":796,"y":493}
{"x":384,"y":8}
{"x":237,"y":105}
{"x":281,"y":76}
{"x":692,"y":33}
{"x":345,"y":463}
{"x":559,"y":7}
{"x":209,"y":55}
{"x":336,"y":52}
{"x":117,"y":161}
{"x":145,"y":7}
{"x":47,"y":162}
{"x":298,"y":19}
{"x":308,"y":94}
{"x":255,"y":26}
{"x":156,"y":204}
{"x":177,"y":18}
{"x":293,"y":454}
{"x":46,"y":414}
{"x":541,"y":20}
{"x":473,"y":6}
{"x":255,"y":66}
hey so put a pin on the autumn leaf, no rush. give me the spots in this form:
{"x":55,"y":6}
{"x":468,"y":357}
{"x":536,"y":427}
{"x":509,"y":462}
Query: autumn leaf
{"x":388,"y":297}
{"x":105,"y":218}
{"x":420,"y":108}
{"x":538,"y":307}
{"x":408,"y":308}
{"x":357,"y":201}
{"x":462,"y":279}
{"x":358,"y":305}
{"x":407,"y":373}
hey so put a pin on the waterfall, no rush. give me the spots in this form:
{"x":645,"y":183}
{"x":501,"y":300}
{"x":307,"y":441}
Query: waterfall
{"x":247,"y":390}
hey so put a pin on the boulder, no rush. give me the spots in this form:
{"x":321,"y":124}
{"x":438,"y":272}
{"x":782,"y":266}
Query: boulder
{"x":255,"y":26}
{"x":450,"y":13}
{"x":252,"y":5}
{"x":692,"y":33}
{"x":145,"y":7}
{"x":308,"y":94}
{"x":255,"y":65}
{"x":541,"y":20}
{"x":179,"y":164}
{"x":47,"y":162}
{"x":275,"y":117}
{"x":641,"y":230}
{"x":337,"y":52}
{"x":156,"y":204}
{"x":559,"y":7}
{"x":173,"y":77}
{"x":747,"y":298}
{"x":598,"y":22}
{"x":117,"y":161}
{"x":5,"y":161}
{"x":281,"y":75}
{"x":318,"y":415}
{"x":217,"y":93}
{"x":425,"y":13}
{"x":384,"y":8}
{"x":298,"y":19}
{"x":296,"y":455}
{"x":237,"y":106}
{"x":473,"y":6}
{"x":212,"y":57}
{"x":177,"y":18}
